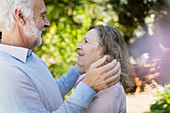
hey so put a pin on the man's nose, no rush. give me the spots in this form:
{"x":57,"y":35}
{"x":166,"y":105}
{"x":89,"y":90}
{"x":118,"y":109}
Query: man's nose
{"x":47,"y":23}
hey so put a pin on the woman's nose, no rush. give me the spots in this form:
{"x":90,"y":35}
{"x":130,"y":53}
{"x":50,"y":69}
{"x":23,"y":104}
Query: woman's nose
{"x":79,"y":47}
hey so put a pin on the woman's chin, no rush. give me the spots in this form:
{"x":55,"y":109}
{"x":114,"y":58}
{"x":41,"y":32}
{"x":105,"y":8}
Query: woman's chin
{"x":83,"y":66}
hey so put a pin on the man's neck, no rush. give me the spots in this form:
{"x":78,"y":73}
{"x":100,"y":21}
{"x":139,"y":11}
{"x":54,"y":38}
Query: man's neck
{"x":15,"y":39}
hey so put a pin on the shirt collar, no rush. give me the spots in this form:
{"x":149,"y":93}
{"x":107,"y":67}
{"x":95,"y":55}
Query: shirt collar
{"x":18,"y":52}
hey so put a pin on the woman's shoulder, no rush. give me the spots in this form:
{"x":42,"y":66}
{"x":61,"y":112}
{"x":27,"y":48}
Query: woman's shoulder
{"x":117,"y":90}
{"x":112,"y":99}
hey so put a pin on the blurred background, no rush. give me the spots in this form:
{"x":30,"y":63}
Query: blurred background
{"x":145,"y":25}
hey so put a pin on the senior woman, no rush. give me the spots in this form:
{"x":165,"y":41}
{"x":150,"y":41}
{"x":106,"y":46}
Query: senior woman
{"x":99,"y":41}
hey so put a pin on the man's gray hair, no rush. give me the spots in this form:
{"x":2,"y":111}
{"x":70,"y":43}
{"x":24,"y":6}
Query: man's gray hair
{"x":7,"y":8}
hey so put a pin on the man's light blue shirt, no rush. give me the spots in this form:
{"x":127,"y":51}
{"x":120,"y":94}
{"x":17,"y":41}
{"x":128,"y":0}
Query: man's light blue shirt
{"x":27,"y":86}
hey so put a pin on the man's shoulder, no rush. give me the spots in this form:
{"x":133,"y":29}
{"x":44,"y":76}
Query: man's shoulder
{"x":7,"y":62}
{"x":4,"y":55}
{"x":8,"y":68}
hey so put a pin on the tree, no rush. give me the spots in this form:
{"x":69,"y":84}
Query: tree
{"x":132,"y":13}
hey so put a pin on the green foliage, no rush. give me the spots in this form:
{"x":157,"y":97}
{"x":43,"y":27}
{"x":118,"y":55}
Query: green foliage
{"x":132,"y":13}
{"x":162,"y":101}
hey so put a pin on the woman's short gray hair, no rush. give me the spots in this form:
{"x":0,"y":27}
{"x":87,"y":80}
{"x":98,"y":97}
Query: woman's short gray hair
{"x":7,"y":8}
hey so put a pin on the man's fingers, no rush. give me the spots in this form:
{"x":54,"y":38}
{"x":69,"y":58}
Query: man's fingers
{"x":109,"y":66}
{"x":114,"y":79}
{"x":113,"y":71}
{"x":79,"y":69}
{"x":99,"y":62}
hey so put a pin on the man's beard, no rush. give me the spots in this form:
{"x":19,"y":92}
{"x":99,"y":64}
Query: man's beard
{"x":33,"y":32}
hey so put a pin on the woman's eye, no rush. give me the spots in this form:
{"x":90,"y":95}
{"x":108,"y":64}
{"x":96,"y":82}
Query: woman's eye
{"x":85,"y":41}
{"x":43,"y":16}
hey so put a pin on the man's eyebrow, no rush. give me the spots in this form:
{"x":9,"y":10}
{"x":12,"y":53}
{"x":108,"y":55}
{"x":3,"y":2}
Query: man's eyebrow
{"x":44,"y":12}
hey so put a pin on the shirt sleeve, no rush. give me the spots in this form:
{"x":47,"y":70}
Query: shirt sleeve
{"x":18,"y":95}
{"x":67,"y":81}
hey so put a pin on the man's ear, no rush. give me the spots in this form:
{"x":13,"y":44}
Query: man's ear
{"x":19,"y":16}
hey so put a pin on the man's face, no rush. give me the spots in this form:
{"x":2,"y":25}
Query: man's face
{"x":37,"y":24}
{"x":33,"y":32}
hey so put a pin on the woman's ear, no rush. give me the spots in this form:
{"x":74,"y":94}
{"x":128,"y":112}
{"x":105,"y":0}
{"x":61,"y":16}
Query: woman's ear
{"x":19,"y":16}
{"x":109,"y":58}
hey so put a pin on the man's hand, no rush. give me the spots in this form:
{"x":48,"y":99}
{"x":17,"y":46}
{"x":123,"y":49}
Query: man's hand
{"x":100,"y":77}
{"x":79,"y":69}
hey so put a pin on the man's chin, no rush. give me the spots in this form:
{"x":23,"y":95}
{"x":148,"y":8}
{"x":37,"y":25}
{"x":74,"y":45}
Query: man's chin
{"x":39,"y":41}
{"x":39,"y":44}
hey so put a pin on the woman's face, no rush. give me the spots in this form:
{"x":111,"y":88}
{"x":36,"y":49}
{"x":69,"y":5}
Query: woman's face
{"x":89,"y":50}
